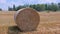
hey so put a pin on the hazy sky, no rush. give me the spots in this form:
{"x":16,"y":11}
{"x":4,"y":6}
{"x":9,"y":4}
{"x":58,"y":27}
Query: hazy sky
{"x":5,"y":3}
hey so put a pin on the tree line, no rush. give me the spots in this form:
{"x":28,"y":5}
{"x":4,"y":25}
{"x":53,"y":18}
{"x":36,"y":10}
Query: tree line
{"x":38,"y":7}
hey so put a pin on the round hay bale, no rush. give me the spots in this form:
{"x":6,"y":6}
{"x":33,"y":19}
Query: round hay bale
{"x":27,"y":19}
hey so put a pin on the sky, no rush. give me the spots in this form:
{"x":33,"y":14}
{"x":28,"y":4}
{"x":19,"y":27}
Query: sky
{"x":4,"y":4}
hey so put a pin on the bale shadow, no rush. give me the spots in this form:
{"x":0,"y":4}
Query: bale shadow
{"x":13,"y":30}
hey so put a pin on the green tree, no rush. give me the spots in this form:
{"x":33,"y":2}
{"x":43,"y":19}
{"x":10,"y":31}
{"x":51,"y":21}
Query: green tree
{"x":58,"y":6}
{"x":19,"y":7}
{"x":14,"y":7}
{"x":10,"y":9}
{"x":38,"y":7}
{"x":52,"y":7}
{"x":46,"y":7}
{"x":42,"y":7}
{"x":0,"y":9}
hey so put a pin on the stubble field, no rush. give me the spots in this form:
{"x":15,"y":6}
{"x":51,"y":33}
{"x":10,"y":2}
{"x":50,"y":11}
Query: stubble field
{"x":49,"y":23}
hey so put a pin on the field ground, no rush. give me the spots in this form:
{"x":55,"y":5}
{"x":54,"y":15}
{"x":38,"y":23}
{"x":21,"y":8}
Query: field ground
{"x":49,"y":23}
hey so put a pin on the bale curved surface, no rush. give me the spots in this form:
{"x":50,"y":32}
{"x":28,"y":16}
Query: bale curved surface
{"x":27,"y":19}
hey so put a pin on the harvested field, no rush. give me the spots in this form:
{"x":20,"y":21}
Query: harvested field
{"x":49,"y":23}
{"x":7,"y":18}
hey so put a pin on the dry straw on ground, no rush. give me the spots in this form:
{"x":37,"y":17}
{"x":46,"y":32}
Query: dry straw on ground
{"x":3,"y":29}
{"x":27,"y":19}
{"x":49,"y":23}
